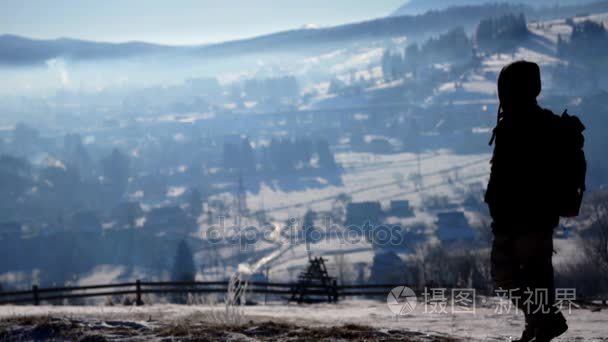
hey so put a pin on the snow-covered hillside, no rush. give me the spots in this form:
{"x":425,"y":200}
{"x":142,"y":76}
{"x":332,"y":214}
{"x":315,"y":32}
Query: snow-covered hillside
{"x":413,"y":7}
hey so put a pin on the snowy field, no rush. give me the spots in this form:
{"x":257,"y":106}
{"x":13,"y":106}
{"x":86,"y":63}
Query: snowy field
{"x":372,"y":177}
{"x":484,"y":325}
{"x":367,"y":177}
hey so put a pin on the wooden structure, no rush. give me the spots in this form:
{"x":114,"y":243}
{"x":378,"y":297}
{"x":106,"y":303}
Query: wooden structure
{"x":314,"y":284}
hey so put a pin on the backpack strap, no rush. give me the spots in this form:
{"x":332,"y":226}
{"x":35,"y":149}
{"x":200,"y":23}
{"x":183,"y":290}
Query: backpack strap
{"x":499,"y":116}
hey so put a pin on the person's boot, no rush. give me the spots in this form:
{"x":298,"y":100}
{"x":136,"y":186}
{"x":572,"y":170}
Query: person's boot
{"x":552,"y":328}
{"x":527,"y":335}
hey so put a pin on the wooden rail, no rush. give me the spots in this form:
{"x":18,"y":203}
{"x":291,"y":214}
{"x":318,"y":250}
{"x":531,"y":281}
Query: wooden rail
{"x":138,"y":288}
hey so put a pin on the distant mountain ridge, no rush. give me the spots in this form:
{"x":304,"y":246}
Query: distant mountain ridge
{"x":17,"y":50}
{"x":22,"y":51}
{"x":415,"y":7}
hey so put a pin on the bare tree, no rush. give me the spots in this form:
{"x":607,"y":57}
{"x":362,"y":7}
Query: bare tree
{"x":338,"y":207}
{"x":485,"y":235}
{"x":417,"y":179}
{"x":596,"y":236}
{"x":589,"y":272}
{"x":457,"y":266}
{"x":343,"y":268}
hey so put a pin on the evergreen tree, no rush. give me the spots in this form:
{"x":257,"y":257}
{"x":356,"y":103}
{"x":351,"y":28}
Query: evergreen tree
{"x":26,"y":139}
{"x":502,"y":33}
{"x":309,"y":225}
{"x":326,"y":158}
{"x":589,"y":39}
{"x":586,"y":52}
{"x":393,"y":65}
{"x":183,"y":264}
{"x":76,"y":154}
{"x":195,"y":203}
{"x":413,"y":59}
{"x":230,"y":156}
{"x":15,"y":177}
{"x":385,"y":64}
{"x":452,"y":45}
{"x":183,"y":270}
{"x":561,"y":47}
{"x":387,"y":268}
{"x":247,"y":157}
{"x":116,"y":173}
{"x":336,"y":86}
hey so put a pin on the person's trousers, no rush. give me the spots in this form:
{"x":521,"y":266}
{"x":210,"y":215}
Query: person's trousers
{"x":522,"y":270}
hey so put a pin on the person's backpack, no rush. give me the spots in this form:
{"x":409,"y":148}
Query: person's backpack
{"x":572,"y":166}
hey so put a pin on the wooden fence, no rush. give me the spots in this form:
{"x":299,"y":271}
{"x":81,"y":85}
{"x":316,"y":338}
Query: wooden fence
{"x":138,"y":288}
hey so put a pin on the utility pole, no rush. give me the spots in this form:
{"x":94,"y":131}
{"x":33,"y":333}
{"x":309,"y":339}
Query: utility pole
{"x":241,"y":197}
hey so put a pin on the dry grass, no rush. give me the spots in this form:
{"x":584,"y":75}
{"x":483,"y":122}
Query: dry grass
{"x":272,"y":331}
{"x":55,"y":328}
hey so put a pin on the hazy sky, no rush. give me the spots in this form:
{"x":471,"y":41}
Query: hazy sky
{"x":178,"y":21}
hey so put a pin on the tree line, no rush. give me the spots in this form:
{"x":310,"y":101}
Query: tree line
{"x":452,"y":46}
{"x":281,"y":155}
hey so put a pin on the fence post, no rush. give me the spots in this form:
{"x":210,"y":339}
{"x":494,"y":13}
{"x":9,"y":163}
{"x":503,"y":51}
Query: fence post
{"x":36,"y":296}
{"x":138,"y":300}
{"x":334,"y":285}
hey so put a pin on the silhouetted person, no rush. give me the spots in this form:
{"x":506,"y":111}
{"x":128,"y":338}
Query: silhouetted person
{"x":526,"y":195}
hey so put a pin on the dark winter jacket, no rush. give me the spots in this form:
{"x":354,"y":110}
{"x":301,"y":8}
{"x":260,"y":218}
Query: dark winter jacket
{"x":521,"y":193}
